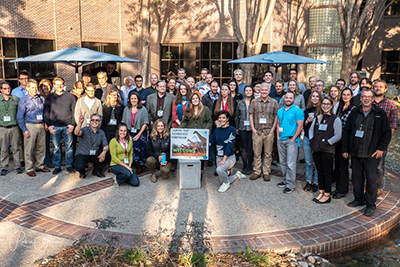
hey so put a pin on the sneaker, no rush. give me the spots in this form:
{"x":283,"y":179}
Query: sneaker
{"x":307,"y":187}
{"x":3,"y":172}
{"x":57,"y":171}
{"x":287,"y":190}
{"x":224,"y":187}
{"x":115,"y":181}
{"x":241,"y":175}
{"x":70,"y":170}
{"x":18,"y":170}
{"x":314,"y":188}
{"x":281,"y":185}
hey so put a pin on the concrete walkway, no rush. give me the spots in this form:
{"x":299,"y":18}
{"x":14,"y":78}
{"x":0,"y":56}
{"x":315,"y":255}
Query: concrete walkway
{"x":40,"y":215}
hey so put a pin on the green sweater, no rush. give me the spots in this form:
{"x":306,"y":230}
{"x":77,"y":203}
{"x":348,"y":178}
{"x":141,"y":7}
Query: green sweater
{"x":8,"y":108}
{"x":118,"y":152}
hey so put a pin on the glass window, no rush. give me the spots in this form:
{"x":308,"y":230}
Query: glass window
{"x":205,"y":50}
{"x":390,"y":70}
{"x":1,"y":69}
{"x":226,"y":50}
{"x":9,"y":47}
{"x":40,"y":46}
{"x":324,"y":26}
{"x":10,"y":70}
{"x":23,"y":47}
{"x":329,"y":73}
{"x":215,"y":50}
{"x":393,"y":9}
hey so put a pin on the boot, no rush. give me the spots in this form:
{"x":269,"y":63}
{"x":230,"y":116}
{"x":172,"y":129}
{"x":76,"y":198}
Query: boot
{"x":165,"y":176}
{"x":153,"y":177}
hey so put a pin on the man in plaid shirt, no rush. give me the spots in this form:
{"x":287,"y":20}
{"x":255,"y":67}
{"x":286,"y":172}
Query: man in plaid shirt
{"x":380,"y":88}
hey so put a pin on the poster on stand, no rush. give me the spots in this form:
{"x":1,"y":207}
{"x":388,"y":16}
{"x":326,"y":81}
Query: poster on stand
{"x":189,"y":143}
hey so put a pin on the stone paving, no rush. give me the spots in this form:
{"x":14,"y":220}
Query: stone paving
{"x":51,"y":208}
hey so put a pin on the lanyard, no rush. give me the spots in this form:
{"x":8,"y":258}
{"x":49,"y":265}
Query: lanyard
{"x":36,"y":106}
{"x":124,"y":146}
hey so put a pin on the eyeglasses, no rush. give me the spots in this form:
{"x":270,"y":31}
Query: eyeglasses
{"x":95,"y":120}
{"x":325,"y":104}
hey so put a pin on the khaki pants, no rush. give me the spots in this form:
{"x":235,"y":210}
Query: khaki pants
{"x":261,"y":140}
{"x":152,"y":164}
{"x":35,"y":146}
{"x":7,"y":136}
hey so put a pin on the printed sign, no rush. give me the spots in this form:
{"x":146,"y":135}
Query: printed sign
{"x":189,"y":143}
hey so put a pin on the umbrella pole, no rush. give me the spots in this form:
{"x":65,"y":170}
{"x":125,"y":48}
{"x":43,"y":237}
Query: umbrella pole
{"x":76,"y":74}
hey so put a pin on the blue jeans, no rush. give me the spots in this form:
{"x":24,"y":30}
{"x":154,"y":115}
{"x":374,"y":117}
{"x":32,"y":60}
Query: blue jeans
{"x":68,"y":140}
{"x":124,"y":175}
{"x":288,"y":158}
{"x":308,"y":157}
{"x":223,"y":170}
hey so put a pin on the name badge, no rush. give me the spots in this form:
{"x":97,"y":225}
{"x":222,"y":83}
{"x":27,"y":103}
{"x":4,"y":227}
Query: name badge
{"x":311,"y":115}
{"x":263,"y":120}
{"x":133,"y":130}
{"x":281,"y":129}
{"x":39,"y":117}
{"x":160,"y":113}
{"x":92,"y":152}
{"x":113,"y":122}
{"x":126,"y":160}
{"x":323,"y":127}
{"x":7,"y":118}
{"x":88,"y":121}
{"x":359,"y":134}
{"x":220,"y":153}
{"x":246,"y":123}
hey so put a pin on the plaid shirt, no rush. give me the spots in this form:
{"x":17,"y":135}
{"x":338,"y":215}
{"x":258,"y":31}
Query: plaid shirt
{"x":261,"y":109}
{"x":391,"y":111}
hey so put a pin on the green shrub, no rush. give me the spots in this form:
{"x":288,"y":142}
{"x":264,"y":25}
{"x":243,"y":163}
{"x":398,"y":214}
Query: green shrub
{"x":193,"y":259}
{"x":257,"y":258}
{"x":135,"y":257}
{"x":88,"y":251}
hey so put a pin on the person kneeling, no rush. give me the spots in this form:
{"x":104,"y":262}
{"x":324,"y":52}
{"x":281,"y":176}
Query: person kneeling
{"x":121,"y":157}
{"x":92,"y":146}
{"x":158,"y":144}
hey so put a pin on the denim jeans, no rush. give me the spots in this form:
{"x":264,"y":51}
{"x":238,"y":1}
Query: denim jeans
{"x":124,"y":175}
{"x":223,"y":170}
{"x":308,"y":157}
{"x":287,"y":158}
{"x":61,"y":132}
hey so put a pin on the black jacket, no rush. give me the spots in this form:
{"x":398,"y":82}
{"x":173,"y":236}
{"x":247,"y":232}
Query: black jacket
{"x":156,"y":147}
{"x":377,"y":132}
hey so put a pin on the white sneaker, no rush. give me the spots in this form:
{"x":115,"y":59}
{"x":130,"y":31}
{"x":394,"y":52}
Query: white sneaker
{"x":241,"y":175}
{"x":115,"y":181}
{"x":224,"y":187}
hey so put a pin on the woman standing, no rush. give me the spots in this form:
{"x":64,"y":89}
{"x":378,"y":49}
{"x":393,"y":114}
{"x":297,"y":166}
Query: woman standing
{"x":242,"y":120}
{"x":45,"y":89}
{"x":309,"y":114}
{"x":342,"y":109}
{"x":334,"y":92}
{"x":234,"y":88}
{"x":112,"y":113}
{"x":171,"y":85}
{"x":224,"y":102}
{"x":325,"y":131}
{"x":136,"y":117}
{"x":293,"y":86}
{"x":159,"y":143}
{"x":121,"y":157}
{"x":77,"y":92}
{"x":223,"y":137}
{"x":180,"y":103}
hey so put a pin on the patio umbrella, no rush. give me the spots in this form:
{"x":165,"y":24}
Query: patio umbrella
{"x":74,"y":56}
{"x":277,"y":59}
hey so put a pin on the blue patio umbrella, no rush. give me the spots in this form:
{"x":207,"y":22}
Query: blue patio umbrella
{"x":277,"y":59}
{"x":74,"y":56}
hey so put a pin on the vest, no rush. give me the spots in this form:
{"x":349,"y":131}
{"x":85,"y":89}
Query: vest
{"x":320,"y":140}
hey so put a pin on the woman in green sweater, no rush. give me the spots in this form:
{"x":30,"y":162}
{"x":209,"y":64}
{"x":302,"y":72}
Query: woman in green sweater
{"x":121,"y":157}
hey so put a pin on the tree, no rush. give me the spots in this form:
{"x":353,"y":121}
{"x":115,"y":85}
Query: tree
{"x":258,"y":15}
{"x":359,"y":20}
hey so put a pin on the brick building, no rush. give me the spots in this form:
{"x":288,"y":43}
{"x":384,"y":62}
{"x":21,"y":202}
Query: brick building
{"x":188,"y":34}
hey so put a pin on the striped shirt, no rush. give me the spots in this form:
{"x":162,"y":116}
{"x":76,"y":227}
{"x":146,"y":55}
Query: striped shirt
{"x":391,"y":111}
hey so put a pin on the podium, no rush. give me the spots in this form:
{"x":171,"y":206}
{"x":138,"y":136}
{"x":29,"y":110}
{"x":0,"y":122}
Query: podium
{"x":189,"y":173}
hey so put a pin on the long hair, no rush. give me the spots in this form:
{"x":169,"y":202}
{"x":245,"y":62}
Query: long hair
{"x":236,"y":85}
{"x":189,"y":111}
{"x":108,"y":101}
{"x":117,"y":132}
{"x":139,"y":104}
{"x":319,"y":109}
{"x":231,"y":109}
{"x":297,"y":90}
{"x":178,"y":97}
{"x":154,"y":133}
{"x":41,"y":90}
{"x":310,"y":104}
{"x":252,"y":90}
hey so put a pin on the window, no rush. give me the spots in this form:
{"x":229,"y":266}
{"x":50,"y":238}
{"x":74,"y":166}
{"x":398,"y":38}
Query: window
{"x":12,"y":48}
{"x":393,"y":9}
{"x":390,"y":70}
{"x":286,"y":68}
{"x":109,"y":48}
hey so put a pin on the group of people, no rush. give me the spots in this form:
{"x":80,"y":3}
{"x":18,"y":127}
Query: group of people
{"x":129,"y":128}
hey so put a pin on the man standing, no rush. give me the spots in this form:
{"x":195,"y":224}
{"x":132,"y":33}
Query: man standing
{"x":354,"y":83}
{"x":366,"y":137}
{"x":289,"y":127}
{"x":203,"y":81}
{"x":93,"y":146}
{"x":59,"y":117}
{"x":9,"y":132}
{"x":312,"y":81}
{"x":20,"y":91}
{"x":86,"y":77}
{"x":211,"y":96}
{"x":153,"y":83}
{"x":293,"y":77}
{"x":159,"y":105}
{"x":143,"y":93}
{"x":30,"y":120}
{"x":380,"y":88}
{"x":320,"y":87}
{"x":110,"y":70}
{"x":103,"y":87}
{"x":87,"y":105}
{"x":207,"y":87}
{"x":238,"y":75}
{"x":268,"y":76}
{"x":340,"y":83}
{"x":181,"y":77}
{"x":263,"y":112}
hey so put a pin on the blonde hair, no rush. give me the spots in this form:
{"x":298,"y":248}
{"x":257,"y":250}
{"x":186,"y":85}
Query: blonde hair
{"x":297,"y":90}
{"x":189,"y":111}
{"x":154,"y":133}
{"x":108,"y":101}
